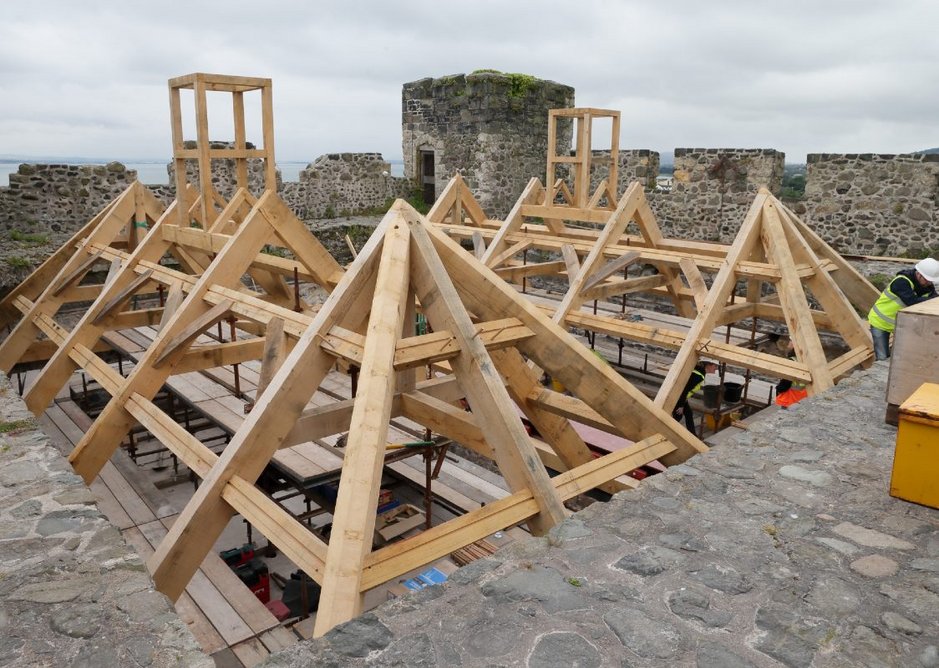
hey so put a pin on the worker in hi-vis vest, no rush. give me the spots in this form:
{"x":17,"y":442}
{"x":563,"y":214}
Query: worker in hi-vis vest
{"x":790,"y":392}
{"x":695,"y":381}
{"x":908,"y":287}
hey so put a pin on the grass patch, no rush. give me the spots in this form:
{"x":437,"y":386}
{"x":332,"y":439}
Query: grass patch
{"x":18,"y":262}
{"x":17,"y":425}
{"x":29,"y":237}
{"x":880,"y":281}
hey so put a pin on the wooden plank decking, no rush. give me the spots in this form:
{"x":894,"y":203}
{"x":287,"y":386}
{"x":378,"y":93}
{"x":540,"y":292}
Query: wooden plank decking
{"x":224,"y":616}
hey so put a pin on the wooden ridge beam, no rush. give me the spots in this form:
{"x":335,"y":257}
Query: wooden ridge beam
{"x":664,"y":254}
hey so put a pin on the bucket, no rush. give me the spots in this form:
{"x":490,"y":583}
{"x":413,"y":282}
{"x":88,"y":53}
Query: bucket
{"x":732,"y":392}
{"x":710,"y":393}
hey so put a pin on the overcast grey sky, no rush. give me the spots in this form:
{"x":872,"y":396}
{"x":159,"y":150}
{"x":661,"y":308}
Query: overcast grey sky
{"x":88,"y":78}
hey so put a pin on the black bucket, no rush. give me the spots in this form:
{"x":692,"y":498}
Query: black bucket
{"x":710,"y":393}
{"x":732,"y":392}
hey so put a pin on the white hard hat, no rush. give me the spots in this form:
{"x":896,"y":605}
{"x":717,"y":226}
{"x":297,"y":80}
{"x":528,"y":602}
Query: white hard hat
{"x":929,"y":268}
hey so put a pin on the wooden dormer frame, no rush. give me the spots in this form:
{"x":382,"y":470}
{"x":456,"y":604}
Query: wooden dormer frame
{"x":582,"y":160}
{"x":201,"y":83}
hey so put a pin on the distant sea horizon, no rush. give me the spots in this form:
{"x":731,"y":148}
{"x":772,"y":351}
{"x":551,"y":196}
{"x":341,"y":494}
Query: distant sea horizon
{"x":154,"y":172}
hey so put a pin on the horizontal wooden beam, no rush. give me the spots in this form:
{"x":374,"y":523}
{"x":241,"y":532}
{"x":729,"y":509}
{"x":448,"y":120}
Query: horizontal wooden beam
{"x":213,"y":242}
{"x":403,"y":556}
{"x":202,"y":357}
{"x":191,"y":330}
{"x":667,"y":254}
{"x":514,"y":273}
{"x":190,"y":450}
{"x":846,"y":363}
{"x":415,"y":351}
{"x":109,"y":379}
{"x":772,"y":365}
{"x":297,"y":543}
{"x":131,"y":319}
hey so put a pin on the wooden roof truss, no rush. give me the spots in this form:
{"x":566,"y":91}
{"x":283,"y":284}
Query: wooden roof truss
{"x":811,"y":288}
{"x":480,"y":327}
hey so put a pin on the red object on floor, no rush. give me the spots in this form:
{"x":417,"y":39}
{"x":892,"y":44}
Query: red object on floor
{"x":255,"y":575}
{"x":278,"y":609}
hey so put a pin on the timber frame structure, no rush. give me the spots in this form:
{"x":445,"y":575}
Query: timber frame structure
{"x":783,"y":266}
{"x":483,"y":332}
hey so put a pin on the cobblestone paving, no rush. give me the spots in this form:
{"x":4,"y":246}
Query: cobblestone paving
{"x":779,"y":547}
{"x":72,"y":593}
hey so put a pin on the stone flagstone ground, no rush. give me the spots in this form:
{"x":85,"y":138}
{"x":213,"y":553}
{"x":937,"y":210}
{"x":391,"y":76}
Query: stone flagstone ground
{"x":72,"y":593}
{"x":779,"y":547}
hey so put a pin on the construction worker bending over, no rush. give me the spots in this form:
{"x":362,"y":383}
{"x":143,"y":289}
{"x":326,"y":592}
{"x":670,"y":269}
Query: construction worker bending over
{"x":908,"y":287}
{"x":695,"y":381}
{"x":790,"y":392}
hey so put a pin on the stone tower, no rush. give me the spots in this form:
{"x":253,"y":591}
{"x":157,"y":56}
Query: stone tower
{"x":489,"y":126}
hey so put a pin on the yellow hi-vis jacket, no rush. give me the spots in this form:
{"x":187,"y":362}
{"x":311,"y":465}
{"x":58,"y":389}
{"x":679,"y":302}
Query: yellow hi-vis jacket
{"x":883,"y":315}
{"x":696,"y":386}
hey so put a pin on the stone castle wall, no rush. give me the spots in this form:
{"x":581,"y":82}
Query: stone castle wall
{"x":874,"y":204}
{"x":490,"y":127}
{"x":44,"y":199}
{"x":634,"y":165}
{"x":341,"y":183}
{"x":59,"y":198}
{"x":860,"y":203}
{"x":712,"y":190}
